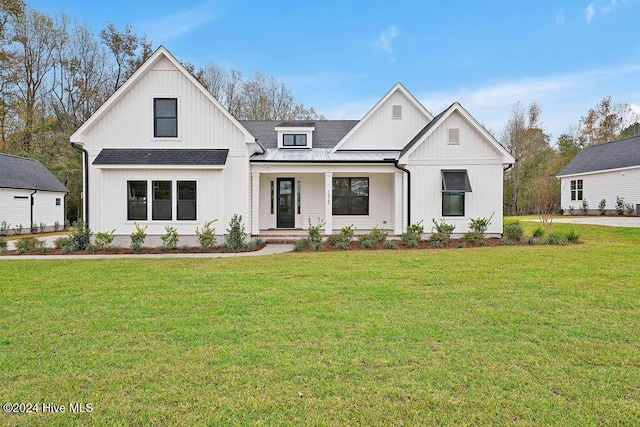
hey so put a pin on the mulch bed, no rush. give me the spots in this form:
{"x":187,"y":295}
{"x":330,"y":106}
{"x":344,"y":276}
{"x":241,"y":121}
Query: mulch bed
{"x":423,"y":244}
{"x":127,"y":251}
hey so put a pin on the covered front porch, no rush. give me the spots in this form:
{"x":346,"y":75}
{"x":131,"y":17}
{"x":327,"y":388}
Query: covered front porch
{"x":287,"y":198}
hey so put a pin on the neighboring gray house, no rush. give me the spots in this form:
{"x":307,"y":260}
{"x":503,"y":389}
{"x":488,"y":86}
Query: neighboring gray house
{"x":29,"y":194}
{"x":603,"y":171}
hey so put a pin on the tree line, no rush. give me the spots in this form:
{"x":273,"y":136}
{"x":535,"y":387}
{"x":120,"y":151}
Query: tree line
{"x":530,"y":185}
{"x":56,"y":72}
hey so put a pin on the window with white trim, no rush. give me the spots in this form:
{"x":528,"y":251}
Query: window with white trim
{"x":165,"y":118}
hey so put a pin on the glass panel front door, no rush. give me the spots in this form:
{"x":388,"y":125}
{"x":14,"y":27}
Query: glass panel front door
{"x":285,"y":218}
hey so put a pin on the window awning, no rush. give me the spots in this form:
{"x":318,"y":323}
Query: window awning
{"x":455,"y":181}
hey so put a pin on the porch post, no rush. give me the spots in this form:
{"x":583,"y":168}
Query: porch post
{"x":255,"y":203}
{"x":328,"y":204}
{"x":398,"y":203}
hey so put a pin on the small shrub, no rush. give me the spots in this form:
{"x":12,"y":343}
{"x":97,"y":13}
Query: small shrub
{"x":236,"y":237}
{"x":619,"y":205}
{"x":629,"y":209}
{"x":442,"y":233}
{"x":56,"y":226}
{"x":507,"y":242}
{"x":389,"y":244}
{"x":462,"y":244}
{"x":345,"y":236}
{"x":18,"y":229}
{"x":42,"y":227}
{"x":584,"y":209}
{"x":301,"y":244}
{"x":138,"y":237}
{"x":341,"y":245}
{"x":65,"y":243}
{"x":366,"y":243}
{"x":413,"y":235}
{"x":474,"y":237}
{"x":572,"y":236}
{"x":378,"y":235}
{"x":538,"y":232}
{"x":207,"y":236}
{"x":184,"y":248}
{"x":3,"y":244}
{"x":571,"y":209}
{"x":316,"y":245}
{"x":479,"y":225}
{"x":255,"y":244}
{"x":34,"y":228}
{"x":556,"y":238}
{"x":513,"y":231}
{"x":315,"y":236}
{"x":104,"y":239}
{"x":602,"y":207}
{"x":347,"y":233}
{"x":169,"y":239}
{"x":28,"y":244}
{"x":531,"y":240}
{"x":81,"y":236}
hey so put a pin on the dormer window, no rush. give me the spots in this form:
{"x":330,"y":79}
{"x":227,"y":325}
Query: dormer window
{"x":294,"y":139}
{"x":295,"y":135}
{"x":165,"y":118}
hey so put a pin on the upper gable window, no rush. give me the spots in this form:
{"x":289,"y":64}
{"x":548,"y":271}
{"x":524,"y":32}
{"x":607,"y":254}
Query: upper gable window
{"x":396,"y":112}
{"x":165,"y":118}
{"x":294,"y":140}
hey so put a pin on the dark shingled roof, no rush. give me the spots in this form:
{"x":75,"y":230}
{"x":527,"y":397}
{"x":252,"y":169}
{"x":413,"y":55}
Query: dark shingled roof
{"x":296,"y":124}
{"x":327,"y":134}
{"x":179,"y":157}
{"x":611,"y":155}
{"x":27,"y":174}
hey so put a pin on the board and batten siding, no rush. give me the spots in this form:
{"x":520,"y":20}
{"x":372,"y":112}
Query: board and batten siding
{"x":382,"y":132}
{"x":602,"y":185}
{"x":473,"y":153}
{"x":17,"y":211}
{"x":312,"y":206}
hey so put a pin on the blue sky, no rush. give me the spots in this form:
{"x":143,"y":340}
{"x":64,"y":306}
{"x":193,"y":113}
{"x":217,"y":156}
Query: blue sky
{"x":342,"y":56}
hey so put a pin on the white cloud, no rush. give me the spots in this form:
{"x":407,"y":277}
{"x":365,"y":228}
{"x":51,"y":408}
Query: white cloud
{"x":384,"y":42}
{"x":590,"y":12}
{"x":560,"y":18}
{"x":163,"y":28}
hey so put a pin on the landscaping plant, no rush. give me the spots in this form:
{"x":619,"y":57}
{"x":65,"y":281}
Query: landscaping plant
{"x":104,"y":239}
{"x":441,"y":233}
{"x":81,"y":236}
{"x":412,"y":235}
{"x":169,"y":239}
{"x":137,"y":237}
{"x":207,"y":236}
{"x":236,"y":237}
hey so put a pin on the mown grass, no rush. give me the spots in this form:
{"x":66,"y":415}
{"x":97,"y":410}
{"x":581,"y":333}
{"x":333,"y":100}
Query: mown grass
{"x":508,"y":335}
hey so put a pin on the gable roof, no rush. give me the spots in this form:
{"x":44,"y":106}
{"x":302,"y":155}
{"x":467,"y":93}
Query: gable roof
{"x":161,"y":52}
{"x":27,"y":174}
{"x":618,"y":154}
{"x":398,"y":87}
{"x":326,"y":135}
{"x":440,"y":118}
{"x":182,"y":157}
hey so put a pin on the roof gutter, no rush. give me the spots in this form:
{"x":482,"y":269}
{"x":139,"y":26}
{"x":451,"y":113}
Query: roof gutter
{"x":85,"y":201}
{"x":397,"y":166}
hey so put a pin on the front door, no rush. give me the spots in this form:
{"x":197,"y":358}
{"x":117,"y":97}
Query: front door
{"x":285,"y":203}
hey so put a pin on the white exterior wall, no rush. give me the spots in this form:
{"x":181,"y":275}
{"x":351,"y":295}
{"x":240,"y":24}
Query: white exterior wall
{"x":602,"y":185}
{"x":312,"y":181}
{"x":382,"y":132}
{"x":484,"y":168}
{"x":201,"y":124}
{"x":18,"y":211}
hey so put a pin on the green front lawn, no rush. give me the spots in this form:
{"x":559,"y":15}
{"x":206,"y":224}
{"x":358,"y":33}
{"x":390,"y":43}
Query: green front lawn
{"x":508,"y":335}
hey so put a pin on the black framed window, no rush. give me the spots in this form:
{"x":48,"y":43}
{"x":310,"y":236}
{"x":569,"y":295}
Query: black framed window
{"x":294,"y":140}
{"x":58,"y":201}
{"x":350,"y":196}
{"x":137,"y":200}
{"x":161,"y":207}
{"x":165,"y":117}
{"x":186,"y":200}
{"x":452,"y":204}
{"x":576,"y":189}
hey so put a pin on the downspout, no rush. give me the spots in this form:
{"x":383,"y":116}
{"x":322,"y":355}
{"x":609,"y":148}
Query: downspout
{"x":507,"y":168}
{"x":31,"y":220}
{"x":86,"y":182}
{"x":397,"y":166}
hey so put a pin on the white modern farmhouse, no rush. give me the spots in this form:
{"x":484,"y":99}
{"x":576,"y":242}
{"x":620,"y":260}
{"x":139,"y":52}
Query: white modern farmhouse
{"x":602,"y":172}
{"x":29,"y":195}
{"x":163,"y":151}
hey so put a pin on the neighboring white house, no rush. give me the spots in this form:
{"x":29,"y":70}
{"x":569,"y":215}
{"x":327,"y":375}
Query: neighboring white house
{"x":604,"y":171}
{"x":29,"y":195}
{"x":163,"y":151}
